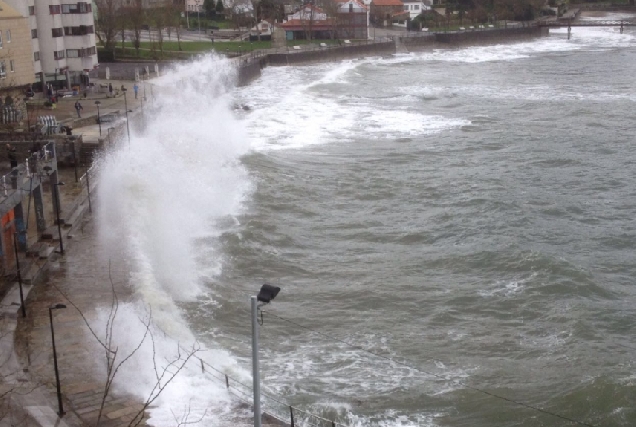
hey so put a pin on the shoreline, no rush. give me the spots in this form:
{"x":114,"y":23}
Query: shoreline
{"x":35,"y":333}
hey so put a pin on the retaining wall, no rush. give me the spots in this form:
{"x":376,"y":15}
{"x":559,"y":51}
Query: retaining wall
{"x":498,"y":35}
{"x":330,"y":54}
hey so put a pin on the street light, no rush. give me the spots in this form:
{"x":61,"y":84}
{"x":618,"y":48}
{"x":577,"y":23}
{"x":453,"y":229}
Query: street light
{"x":19,"y":273}
{"x":198,"y":19}
{"x":99,"y":120}
{"x":265,"y":296}
{"x":56,"y":197}
{"x":57,"y":373}
{"x":126,"y":105}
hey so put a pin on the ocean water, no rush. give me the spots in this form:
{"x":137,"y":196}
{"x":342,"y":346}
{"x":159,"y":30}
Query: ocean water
{"x":452,"y":230}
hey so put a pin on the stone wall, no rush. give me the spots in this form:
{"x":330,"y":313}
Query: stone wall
{"x":497,"y":35}
{"x":330,"y":54}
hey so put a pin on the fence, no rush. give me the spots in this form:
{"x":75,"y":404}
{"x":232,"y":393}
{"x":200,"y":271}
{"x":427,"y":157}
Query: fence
{"x":10,"y":114}
{"x":273,"y":406}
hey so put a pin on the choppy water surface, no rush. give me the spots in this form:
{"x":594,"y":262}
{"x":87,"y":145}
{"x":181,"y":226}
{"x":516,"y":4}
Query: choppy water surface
{"x":467,"y":215}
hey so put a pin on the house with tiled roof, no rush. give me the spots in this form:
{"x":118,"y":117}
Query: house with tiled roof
{"x":383,"y":12}
{"x":352,"y":19}
{"x":309,"y":22}
{"x":416,"y":7}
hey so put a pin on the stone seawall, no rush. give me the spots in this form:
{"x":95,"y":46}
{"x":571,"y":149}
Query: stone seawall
{"x":331,"y":54}
{"x":249,"y":69}
{"x":472,"y":37}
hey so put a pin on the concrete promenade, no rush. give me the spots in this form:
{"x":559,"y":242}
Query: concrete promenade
{"x":27,"y":380}
{"x":80,"y":280}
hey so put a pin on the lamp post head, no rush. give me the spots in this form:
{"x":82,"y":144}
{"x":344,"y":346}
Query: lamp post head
{"x":267,"y":293}
{"x":97,"y":103}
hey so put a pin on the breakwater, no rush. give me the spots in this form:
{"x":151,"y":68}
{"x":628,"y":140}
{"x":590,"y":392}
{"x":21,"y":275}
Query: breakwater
{"x":472,"y":37}
{"x":250,"y":65}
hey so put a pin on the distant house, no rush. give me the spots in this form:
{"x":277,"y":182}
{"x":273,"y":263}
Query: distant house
{"x":352,"y":20}
{"x":310,"y":22}
{"x":384,"y":12}
{"x":416,"y":7}
{"x":261,"y":31}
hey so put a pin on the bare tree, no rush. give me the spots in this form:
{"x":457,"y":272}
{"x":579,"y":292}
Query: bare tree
{"x":107,"y":22}
{"x":164,"y":372}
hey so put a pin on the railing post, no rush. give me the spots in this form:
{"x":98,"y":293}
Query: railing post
{"x":88,"y":189}
{"x":291,"y":412}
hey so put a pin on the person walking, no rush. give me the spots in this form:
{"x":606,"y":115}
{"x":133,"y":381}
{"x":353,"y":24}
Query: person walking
{"x":12,"y":155}
{"x":110,"y":89}
{"x":136,"y":89}
{"x":78,"y":107}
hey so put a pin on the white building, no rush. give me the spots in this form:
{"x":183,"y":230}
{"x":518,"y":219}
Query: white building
{"x":63,"y":39}
{"x":194,"y":6}
{"x":415,"y":7}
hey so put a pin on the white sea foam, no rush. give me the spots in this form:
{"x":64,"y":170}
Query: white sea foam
{"x":169,"y":187}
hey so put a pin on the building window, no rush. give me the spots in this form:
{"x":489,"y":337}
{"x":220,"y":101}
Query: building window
{"x":8,"y":36}
{"x":81,"y":53}
{"x":57,"y":32}
{"x":416,"y":7}
{"x":82,"y":30}
{"x":31,"y":10}
{"x":12,"y":66}
{"x":58,"y":54}
{"x":3,"y":70}
{"x":0,"y":39}
{"x":36,"y":56}
{"x":77,"y":8}
{"x":54,"y":9}
{"x":34,"y":33}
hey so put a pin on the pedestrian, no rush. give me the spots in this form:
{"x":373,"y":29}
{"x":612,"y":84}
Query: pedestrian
{"x":12,"y":155}
{"x":136,"y":89}
{"x":78,"y":107}
{"x":110,"y":89}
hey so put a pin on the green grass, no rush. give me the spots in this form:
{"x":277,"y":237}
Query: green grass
{"x":171,"y":49}
{"x":316,"y":42}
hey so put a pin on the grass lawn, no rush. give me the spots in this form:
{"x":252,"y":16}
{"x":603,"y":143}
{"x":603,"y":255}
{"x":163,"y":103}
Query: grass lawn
{"x":171,"y":49}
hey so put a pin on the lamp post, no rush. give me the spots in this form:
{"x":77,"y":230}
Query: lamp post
{"x":265,"y":295}
{"x":57,"y":373}
{"x":26,"y":110}
{"x":56,"y":197}
{"x":99,"y":119}
{"x":198,"y":19}
{"x":19,"y":273}
{"x":126,"y":106}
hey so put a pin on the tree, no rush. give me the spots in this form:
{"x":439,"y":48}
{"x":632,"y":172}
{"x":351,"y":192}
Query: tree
{"x":107,"y":22}
{"x":220,"y":8}
{"x":209,"y":7}
{"x":136,"y":15}
{"x":165,"y":370}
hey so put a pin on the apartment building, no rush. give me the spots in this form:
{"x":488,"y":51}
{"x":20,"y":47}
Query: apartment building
{"x":16,"y":54}
{"x":63,"y":40}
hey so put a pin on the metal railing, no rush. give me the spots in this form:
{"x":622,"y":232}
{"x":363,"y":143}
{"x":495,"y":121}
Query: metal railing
{"x":273,"y":406}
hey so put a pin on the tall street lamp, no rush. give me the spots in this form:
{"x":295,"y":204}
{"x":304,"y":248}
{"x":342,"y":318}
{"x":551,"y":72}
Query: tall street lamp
{"x":198,"y":19}
{"x":57,"y":372}
{"x":265,"y":295}
{"x":19,"y":273}
{"x":99,"y":119}
{"x":56,"y":197}
{"x":126,"y":106}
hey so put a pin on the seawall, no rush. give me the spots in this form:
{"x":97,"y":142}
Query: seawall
{"x":473,"y":37}
{"x":250,"y":66}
